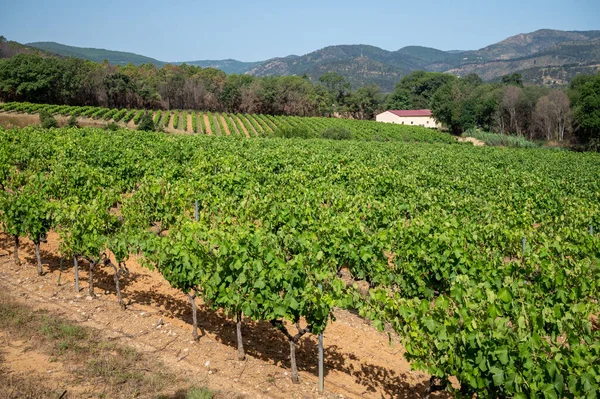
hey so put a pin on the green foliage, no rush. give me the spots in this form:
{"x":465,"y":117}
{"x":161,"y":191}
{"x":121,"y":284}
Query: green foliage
{"x":497,"y":140}
{"x":112,"y":127}
{"x":515,"y":79}
{"x":199,"y":393}
{"x":585,"y":97}
{"x":72,"y":122}
{"x":146,"y":123}
{"x":416,"y":90}
{"x":47,"y":121}
{"x":435,"y":230}
{"x":294,"y":132}
{"x":336,"y":133}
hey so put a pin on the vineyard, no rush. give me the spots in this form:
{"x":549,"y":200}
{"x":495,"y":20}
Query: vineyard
{"x":484,"y":261}
{"x":243,"y":125}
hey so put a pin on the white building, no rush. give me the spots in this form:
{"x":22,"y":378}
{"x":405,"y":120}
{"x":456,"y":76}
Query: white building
{"x":414,"y":117}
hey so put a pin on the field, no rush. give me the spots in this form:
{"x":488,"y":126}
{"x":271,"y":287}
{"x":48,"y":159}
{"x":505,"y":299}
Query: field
{"x":482,"y":262}
{"x":223,"y":124}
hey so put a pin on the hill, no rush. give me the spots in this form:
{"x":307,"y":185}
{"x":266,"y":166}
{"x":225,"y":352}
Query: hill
{"x":544,"y":57}
{"x":227,"y":66}
{"x":95,"y":54}
{"x":10,"y":49}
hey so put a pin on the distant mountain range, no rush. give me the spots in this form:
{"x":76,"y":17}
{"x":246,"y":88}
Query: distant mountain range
{"x":548,"y":57}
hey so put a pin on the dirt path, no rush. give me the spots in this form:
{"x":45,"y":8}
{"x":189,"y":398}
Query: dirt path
{"x":476,"y":142}
{"x":190,"y":126}
{"x":171,"y":126}
{"x":359,"y":363}
{"x":224,"y":125}
{"x":207,"y":124}
{"x":217,"y":125}
{"x":237,"y":131}
{"x":242,"y":126}
{"x":270,"y":129}
{"x":251,"y":126}
{"x":14,"y":119}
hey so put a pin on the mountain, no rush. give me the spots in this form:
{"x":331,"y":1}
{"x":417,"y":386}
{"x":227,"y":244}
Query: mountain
{"x":95,"y":54}
{"x":227,"y":66}
{"x":541,"y":49}
{"x":550,"y":57}
{"x":532,"y":52}
{"x":10,"y":49}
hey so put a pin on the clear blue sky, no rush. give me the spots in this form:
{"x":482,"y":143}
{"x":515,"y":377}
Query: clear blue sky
{"x":183,"y":30}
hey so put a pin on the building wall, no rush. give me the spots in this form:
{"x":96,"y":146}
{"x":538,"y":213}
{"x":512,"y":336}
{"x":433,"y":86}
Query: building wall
{"x":426,"y":121}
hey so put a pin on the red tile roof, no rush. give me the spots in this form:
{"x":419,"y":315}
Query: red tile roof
{"x":411,"y":112}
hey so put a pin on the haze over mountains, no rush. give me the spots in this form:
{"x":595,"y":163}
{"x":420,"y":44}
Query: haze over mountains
{"x":549,"y":57}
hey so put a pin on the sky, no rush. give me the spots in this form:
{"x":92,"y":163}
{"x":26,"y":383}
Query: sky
{"x":184,"y":30}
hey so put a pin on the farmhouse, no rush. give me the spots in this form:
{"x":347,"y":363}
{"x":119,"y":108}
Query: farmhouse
{"x":415,"y":117}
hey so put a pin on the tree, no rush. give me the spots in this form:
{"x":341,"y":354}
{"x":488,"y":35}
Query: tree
{"x":416,"y":90}
{"x":515,"y":79}
{"x":585,"y":97}
{"x":542,"y":117}
{"x":47,"y":121}
{"x":562,"y":112}
{"x":510,"y":100}
{"x":147,"y":123}
{"x":366,"y":101}
{"x":453,"y":104}
{"x":337,"y":86}
{"x":552,"y":115}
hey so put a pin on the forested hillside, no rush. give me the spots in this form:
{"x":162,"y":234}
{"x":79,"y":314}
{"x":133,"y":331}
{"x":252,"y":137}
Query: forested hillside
{"x":363,"y":65}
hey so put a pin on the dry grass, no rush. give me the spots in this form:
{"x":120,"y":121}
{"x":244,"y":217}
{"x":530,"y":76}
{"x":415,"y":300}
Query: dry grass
{"x":111,"y":370}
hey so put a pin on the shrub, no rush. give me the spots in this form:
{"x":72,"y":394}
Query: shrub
{"x":72,"y":121}
{"x":496,"y":139}
{"x":336,"y":133}
{"x":146,"y":123}
{"x":47,"y":120}
{"x":113,"y":127}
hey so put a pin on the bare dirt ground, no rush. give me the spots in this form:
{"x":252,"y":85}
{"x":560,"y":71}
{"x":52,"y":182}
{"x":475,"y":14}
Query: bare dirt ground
{"x":224,"y":125}
{"x":476,"y":142}
{"x":237,"y":131}
{"x":251,"y":126}
{"x":243,"y":127}
{"x":190,"y":126}
{"x":207,"y":125}
{"x":14,"y":119}
{"x":217,"y":125}
{"x":359,"y":361}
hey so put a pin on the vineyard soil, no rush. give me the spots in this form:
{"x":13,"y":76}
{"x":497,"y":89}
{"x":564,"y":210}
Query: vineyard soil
{"x":207,"y":124}
{"x":360,"y":363}
{"x":11,"y":119}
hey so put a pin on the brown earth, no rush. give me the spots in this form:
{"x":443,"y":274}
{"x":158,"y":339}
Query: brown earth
{"x":14,"y":119}
{"x":217,"y":125}
{"x":190,"y":126}
{"x":476,"y":142}
{"x":243,"y":127}
{"x":207,"y":125}
{"x":251,"y":126}
{"x":224,"y":125}
{"x":268,"y":126}
{"x":237,"y":131}
{"x":359,"y":361}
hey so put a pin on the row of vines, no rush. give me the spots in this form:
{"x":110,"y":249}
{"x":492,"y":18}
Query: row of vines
{"x":484,"y":261}
{"x":243,"y":125}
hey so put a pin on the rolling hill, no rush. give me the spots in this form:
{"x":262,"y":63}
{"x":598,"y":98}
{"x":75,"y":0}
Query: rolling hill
{"x":545,"y":57}
{"x":95,"y":54}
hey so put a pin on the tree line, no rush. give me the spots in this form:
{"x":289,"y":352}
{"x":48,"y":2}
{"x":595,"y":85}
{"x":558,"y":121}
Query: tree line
{"x":507,"y":106}
{"x":460,"y":103}
{"x":73,"y":81}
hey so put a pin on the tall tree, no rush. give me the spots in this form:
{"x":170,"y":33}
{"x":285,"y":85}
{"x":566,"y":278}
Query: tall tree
{"x":585,"y":97}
